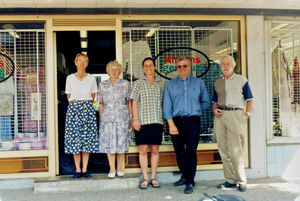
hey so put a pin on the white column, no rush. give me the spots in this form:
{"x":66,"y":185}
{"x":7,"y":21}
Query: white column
{"x":256,"y":76}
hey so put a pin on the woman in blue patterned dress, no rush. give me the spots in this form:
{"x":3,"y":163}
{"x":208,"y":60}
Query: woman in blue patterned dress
{"x":81,"y":135}
{"x":114,"y":114}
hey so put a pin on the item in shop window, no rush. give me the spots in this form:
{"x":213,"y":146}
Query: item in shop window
{"x":7,"y":66}
{"x":24,"y":145}
{"x":7,"y":145}
{"x":24,"y":100}
{"x":296,"y":73}
{"x":31,"y":78}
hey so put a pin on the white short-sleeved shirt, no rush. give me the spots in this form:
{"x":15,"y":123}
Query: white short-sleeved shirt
{"x":81,"y":89}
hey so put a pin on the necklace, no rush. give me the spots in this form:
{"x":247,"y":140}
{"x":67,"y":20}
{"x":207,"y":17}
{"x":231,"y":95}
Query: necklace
{"x":80,"y":78}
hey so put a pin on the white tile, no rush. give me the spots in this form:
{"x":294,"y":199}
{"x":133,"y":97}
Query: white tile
{"x":111,"y":5}
{"x":81,"y":3}
{"x":50,"y":3}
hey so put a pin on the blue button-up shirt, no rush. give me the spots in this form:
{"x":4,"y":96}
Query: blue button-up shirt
{"x":185,"y":97}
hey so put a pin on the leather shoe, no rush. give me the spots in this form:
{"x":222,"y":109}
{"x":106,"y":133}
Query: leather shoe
{"x":180,"y":182}
{"x":226,"y":185}
{"x":86,"y":175}
{"x":189,"y":188}
{"x":77,"y":175}
{"x":242,"y":187}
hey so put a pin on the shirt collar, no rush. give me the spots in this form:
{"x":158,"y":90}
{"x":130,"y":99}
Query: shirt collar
{"x":231,"y":77}
{"x":187,"y":79}
{"x":155,"y":77}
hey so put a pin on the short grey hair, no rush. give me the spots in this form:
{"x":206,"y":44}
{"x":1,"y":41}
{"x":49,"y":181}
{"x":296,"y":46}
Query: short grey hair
{"x":184,"y":58}
{"x":231,"y":58}
{"x":113,"y":63}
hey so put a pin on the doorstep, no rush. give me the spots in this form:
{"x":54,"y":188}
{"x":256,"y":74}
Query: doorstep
{"x":96,"y":183}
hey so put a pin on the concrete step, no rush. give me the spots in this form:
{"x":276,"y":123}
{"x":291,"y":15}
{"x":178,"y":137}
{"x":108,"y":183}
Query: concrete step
{"x":96,"y":183}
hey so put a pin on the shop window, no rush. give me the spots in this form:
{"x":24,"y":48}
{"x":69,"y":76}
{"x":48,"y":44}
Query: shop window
{"x":285,"y":52}
{"x":23,"y":95}
{"x":204,"y":42}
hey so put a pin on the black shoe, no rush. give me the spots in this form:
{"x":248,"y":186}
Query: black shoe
{"x":77,"y":175}
{"x":226,"y":185}
{"x":189,"y":188}
{"x":242,"y":187}
{"x":180,"y":182}
{"x":86,"y":174}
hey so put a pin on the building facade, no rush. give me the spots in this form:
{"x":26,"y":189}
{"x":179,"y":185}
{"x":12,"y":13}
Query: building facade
{"x":43,"y":44}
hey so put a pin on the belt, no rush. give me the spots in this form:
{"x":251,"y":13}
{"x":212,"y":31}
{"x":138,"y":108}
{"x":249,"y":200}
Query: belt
{"x":228,"y":108}
{"x":187,"y":117}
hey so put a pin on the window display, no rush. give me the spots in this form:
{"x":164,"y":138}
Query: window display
{"x":204,"y":42}
{"x":23,"y":95}
{"x":285,"y":79}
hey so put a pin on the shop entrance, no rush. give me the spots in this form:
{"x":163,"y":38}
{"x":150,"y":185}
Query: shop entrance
{"x":100,"y":48}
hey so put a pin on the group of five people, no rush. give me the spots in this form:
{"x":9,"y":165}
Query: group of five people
{"x":144,"y":107}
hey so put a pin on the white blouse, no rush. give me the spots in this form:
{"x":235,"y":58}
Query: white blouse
{"x":81,"y":89}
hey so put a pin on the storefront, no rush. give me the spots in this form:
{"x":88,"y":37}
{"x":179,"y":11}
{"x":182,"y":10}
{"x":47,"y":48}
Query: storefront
{"x":31,"y":139}
{"x":32,"y":102}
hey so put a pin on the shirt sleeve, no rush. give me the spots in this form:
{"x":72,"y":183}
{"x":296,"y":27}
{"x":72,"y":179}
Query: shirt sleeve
{"x":204,"y":99}
{"x":247,"y":92}
{"x":100,"y":94}
{"x":128,"y":91}
{"x":94,"y":85}
{"x":68,"y":89}
{"x":135,"y":92}
{"x":168,"y":105}
{"x":215,"y":96}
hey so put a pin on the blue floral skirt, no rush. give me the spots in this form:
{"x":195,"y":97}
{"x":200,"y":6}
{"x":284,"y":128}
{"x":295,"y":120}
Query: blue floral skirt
{"x":81,"y":133}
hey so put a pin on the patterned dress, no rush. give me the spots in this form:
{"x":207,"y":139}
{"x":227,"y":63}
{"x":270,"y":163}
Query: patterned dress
{"x":114,"y":123}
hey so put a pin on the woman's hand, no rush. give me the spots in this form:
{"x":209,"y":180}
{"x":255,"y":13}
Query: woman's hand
{"x":130,"y":123}
{"x":136,"y":124}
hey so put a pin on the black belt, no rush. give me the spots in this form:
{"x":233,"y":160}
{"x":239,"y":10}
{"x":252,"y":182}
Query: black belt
{"x":228,"y":108}
{"x":186,"y":117}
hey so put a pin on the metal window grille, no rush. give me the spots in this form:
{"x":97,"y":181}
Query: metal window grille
{"x":285,"y":82}
{"x":23,"y":126}
{"x":139,"y":43}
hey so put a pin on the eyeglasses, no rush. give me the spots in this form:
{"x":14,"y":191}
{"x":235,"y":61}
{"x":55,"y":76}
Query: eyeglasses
{"x":226,"y":63}
{"x":180,"y":66}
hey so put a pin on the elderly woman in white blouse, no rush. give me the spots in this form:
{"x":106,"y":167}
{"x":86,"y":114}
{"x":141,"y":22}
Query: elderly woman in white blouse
{"x":81,"y":135}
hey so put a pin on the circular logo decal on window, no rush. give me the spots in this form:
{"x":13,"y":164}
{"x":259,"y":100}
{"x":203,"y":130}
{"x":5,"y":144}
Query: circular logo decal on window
{"x":166,"y":61}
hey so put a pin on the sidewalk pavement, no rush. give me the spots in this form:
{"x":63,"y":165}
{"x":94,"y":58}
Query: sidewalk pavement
{"x":262,"y":189}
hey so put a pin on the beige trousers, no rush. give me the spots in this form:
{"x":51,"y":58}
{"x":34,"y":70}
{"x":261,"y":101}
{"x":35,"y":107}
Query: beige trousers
{"x":230,"y":133}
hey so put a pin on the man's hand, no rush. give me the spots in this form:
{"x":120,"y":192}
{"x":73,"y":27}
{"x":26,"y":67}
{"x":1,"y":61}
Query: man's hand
{"x":218,"y":112}
{"x":173,"y":130}
{"x":247,"y":115}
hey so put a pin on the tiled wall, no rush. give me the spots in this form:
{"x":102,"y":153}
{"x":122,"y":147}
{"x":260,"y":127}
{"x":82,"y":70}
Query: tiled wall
{"x":283,"y":160}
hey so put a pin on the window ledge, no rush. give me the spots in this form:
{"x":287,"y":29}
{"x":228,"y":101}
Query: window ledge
{"x":284,"y":140}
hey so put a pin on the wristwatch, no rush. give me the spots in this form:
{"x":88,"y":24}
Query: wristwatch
{"x":248,"y":113}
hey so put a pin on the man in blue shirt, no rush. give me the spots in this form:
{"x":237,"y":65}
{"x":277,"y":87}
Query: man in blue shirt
{"x":185,"y":99}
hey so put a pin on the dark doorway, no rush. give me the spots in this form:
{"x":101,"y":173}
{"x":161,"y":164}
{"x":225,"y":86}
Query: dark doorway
{"x":100,"y":50}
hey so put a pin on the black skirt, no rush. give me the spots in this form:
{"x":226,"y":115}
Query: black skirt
{"x":150,"y":134}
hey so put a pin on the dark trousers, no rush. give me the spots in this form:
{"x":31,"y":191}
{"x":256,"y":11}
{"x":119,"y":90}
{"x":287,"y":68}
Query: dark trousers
{"x":185,"y":145}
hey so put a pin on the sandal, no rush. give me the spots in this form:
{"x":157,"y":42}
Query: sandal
{"x":156,"y":184}
{"x":144,"y":184}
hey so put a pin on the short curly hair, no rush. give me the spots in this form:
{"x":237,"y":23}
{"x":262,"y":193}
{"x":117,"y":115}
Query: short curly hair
{"x":113,"y":63}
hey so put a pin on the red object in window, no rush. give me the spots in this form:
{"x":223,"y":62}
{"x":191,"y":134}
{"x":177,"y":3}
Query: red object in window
{"x":296,"y":73}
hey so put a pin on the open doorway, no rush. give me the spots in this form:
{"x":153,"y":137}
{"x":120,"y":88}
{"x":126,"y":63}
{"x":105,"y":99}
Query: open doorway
{"x":100,"y":48}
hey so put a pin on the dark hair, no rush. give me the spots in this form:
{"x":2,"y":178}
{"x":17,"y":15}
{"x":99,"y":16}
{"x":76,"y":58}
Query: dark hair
{"x":184,"y":58}
{"x":148,"y":58}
